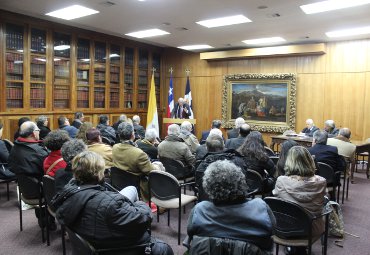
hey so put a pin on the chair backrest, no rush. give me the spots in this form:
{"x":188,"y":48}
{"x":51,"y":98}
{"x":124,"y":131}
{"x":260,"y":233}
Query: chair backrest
{"x":325,"y":171}
{"x":174,"y":167}
{"x":269,"y":151}
{"x":121,"y":179}
{"x":106,"y":140}
{"x":274,"y":159}
{"x":254,"y":181}
{"x":81,"y":246}
{"x":163,"y":185}
{"x":48,"y":184}
{"x":9,"y":145}
{"x":292,"y":220}
{"x":224,"y":246}
{"x":29,"y":187}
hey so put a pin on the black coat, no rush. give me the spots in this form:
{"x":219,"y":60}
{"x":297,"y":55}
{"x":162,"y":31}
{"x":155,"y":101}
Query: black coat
{"x":4,"y":153}
{"x":235,"y":143}
{"x":105,"y":218}
{"x":176,"y":111}
{"x":139,"y":131}
{"x":148,"y":148}
{"x":328,"y":154}
{"x":27,"y":158}
{"x":44,"y":131}
{"x":233,"y":133}
{"x":309,"y":132}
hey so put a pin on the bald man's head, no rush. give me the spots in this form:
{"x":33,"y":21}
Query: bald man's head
{"x":29,"y":130}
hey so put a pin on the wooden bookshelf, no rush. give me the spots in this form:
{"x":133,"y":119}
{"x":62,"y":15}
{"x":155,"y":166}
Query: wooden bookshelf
{"x":114,"y":76}
{"x":142,"y":95}
{"x":83,"y":73}
{"x":129,"y":78}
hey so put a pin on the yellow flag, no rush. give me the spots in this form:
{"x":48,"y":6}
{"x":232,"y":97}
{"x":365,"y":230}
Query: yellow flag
{"x":152,"y":117}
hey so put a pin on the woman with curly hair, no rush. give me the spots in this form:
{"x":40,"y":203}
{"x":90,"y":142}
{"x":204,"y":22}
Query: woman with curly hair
{"x":255,"y":155}
{"x":230,"y":214}
{"x":54,"y":142}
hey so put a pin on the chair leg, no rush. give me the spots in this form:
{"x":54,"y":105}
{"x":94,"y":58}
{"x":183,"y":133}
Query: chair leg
{"x":7,"y":190}
{"x":157,"y":213}
{"x":276,"y":248}
{"x":347,"y":188}
{"x":63,"y":239}
{"x":338,"y":193}
{"x":344,"y":187}
{"x":179,"y":227}
{"x":20,"y":213}
{"x":309,"y":249}
{"x":43,"y":216}
{"x":47,"y":228}
{"x":168,"y":217}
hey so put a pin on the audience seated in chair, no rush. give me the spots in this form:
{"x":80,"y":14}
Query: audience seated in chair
{"x":127,"y":157}
{"x":54,"y":142}
{"x":20,"y":122}
{"x":230,"y":214}
{"x":216,"y":151}
{"x":42,"y":124}
{"x":186,"y":135}
{"x":78,"y":120}
{"x":302,"y":186}
{"x":234,"y":133}
{"x":235,"y":143}
{"x":216,"y":124}
{"x":175,"y":148}
{"x":329,"y":127}
{"x":118,"y":218}
{"x":202,"y":151}
{"x":149,"y":144}
{"x":106,"y":130}
{"x":63,"y":123}
{"x":27,"y":156}
{"x":285,"y":147}
{"x":69,"y":150}
{"x":138,"y":129}
{"x":343,"y":143}
{"x":95,"y":144}
{"x":81,"y":134}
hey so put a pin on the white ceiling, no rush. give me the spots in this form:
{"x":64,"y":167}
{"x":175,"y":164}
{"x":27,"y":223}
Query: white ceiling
{"x":127,"y":16}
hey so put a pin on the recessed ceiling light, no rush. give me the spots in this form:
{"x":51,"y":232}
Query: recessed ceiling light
{"x":195,"y":47}
{"x":62,"y":47}
{"x":264,"y":40}
{"x":225,"y":21}
{"x":331,"y":5}
{"x":148,"y":33}
{"x":349,"y":32}
{"x":72,"y":12}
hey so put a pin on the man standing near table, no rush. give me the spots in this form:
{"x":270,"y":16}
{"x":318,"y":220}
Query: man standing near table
{"x":181,"y":110}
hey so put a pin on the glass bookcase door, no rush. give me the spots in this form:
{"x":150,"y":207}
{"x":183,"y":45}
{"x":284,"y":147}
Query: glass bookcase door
{"x":114,"y":69}
{"x":14,"y":66}
{"x":99,"y":74}
{"x":62,"y":65}
{"x":38,"y":64}
{"x":157,"y":78}
{"x":129,"y":78}
{"x":142,"y":94}
{"x":83,"y":73}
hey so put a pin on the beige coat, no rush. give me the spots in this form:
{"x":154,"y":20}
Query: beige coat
{"x":307,"y":192}
{"x":103,"y":150}
{"x":174,"y":147}
{"x":190,"y":140}
{"x":346,"y":149}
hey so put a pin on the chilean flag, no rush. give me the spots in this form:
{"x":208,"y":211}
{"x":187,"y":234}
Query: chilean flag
{"x":171,"y":103}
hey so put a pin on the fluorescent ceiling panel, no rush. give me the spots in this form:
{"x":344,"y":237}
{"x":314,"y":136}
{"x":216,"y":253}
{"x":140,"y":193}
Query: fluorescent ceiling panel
{"x":148,"y":33}
{"x":266,"y":40}
{"x":195,"y":47}
{"x":72,"y":12}
{"x":331,"y":5}
{"x":225,"y":21}
{"x":349,"y":32}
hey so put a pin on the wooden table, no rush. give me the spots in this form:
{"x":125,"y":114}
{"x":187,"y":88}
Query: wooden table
{"x":305,"y":141}
{"x":362,"y":147}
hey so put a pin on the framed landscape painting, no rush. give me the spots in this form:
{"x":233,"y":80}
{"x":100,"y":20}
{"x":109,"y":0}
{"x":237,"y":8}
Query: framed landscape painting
{"x":266,"y":101}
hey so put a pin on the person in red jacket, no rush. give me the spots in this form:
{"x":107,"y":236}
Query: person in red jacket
{"x":54,"y":142}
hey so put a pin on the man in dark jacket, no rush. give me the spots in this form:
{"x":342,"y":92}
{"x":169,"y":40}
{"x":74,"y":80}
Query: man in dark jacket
{"x":148,"y":145}
{"x":139,"y":130}
{"x":28,"y":154}
{"x":107,"y":219}
{"x":79,"y":119}
{"x":63,"y":123}
{"x":106,"y":130}
{"x":235,"y":143}
{"x":234,"y":133}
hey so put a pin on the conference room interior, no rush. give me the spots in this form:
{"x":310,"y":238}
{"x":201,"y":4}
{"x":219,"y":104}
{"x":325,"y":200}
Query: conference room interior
{"x":331,"y":82}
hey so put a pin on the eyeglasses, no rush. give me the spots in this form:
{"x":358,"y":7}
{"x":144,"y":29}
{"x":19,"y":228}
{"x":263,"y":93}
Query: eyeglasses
{"x":37,"y":130}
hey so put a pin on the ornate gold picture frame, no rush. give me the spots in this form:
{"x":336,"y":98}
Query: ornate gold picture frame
{"x":266,"y":101}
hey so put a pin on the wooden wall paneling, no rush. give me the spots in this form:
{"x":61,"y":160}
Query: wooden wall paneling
{"x":347,"y":56}
{"x":310,"y":100}
{"x":366,"y":108}
{"x":279,"y":65}
{"x":311,"y":64}
{"x":243,"y":66}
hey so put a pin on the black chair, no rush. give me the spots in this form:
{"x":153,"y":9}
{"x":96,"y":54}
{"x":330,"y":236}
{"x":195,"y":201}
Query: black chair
{"x":332,"y":179}
{"x":224,"y":246}
{"x":294,"y":225}
{"x":48,"y":184}
{"x":269,"y":151}
{"x":3,"y":168}
{"x":177,"y":169}
{"x":255,"y":183}
{"x":31,"y":192}
{"x":106,"y":140}
{"x":81,"y":246}
{"x":274,"y":159}
{"x":165,"y":191}
{"x":9,"y":145}
{"x":121,"y":179}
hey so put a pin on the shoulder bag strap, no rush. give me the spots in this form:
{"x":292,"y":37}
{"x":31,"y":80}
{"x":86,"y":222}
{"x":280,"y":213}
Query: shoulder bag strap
{"x":54,"y":164}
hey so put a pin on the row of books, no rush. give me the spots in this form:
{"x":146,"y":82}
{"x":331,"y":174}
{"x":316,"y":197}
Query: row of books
{"x":14,"y":68}
{"x":37,"y":92}
{"x":83,"y":103}
{"x":99,"y":76}
{"x":14,"y":93}
{"x":127,"y":96}
{"x":100,"y":53}
{"x":129,"y":60}
{"x":83,"y":52}
{"x":61,"y":103}
{"x":114,"y":77}
{"x":37,"y":103}
{"x":14,"y":57}
{"x":37,"y":69}
{"x":114,"y":96}
{"x":82,"y":95}
{"x":37,"y":78}
{"x":14,"y":40}
{"x":82,"y":74}
{"x":61,"y":81}
{"x":142,"y":97}
{"x":38,"y":44}
{"x":61,"y":94}
{"x":14,"y":77}
{"x":114,"y":104}
{"x":61,"y":71}
{"x":115,"y":69}
{"x":14,"y":103}
{"x":99,"y":104}
{"x":143,"y":81}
